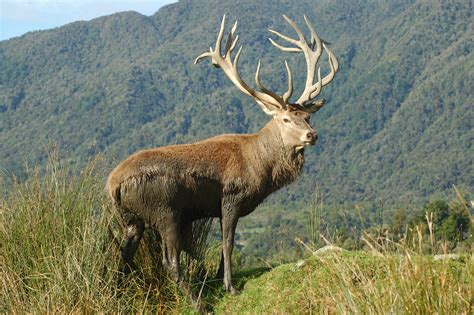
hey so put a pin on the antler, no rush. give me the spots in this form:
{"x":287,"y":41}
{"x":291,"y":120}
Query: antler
{"x":312,"y":53}
{"x":230,"y":68}
{"x":266,"y":97}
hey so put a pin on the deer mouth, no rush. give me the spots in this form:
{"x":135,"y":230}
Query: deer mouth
{"x":305,"y":144}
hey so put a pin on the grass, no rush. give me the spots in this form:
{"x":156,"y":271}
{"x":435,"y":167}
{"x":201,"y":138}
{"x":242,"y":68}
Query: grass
{"x":58,"y":254}
{"x":359,"y":283}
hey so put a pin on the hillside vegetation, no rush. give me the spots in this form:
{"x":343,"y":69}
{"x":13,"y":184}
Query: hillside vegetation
{"x":397,"y":127}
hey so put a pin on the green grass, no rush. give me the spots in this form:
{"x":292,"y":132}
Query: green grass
{"x":359,"y":283}
{"x":58,"y":253}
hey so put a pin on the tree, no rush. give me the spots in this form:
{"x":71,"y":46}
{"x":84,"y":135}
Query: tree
{"x":450,"y":223}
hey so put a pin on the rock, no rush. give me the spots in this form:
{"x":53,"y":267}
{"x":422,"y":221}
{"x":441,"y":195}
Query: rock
{"x":298,"y":265}
{"x":446,"y":257}
{"x":328,"y":249}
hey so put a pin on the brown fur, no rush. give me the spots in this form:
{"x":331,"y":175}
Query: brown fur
{"x":225,"y":177}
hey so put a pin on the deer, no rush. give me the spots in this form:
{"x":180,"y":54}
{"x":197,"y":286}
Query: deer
{"x":226,"y":176}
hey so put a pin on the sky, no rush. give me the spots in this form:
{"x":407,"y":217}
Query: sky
{"x":18,"y":17}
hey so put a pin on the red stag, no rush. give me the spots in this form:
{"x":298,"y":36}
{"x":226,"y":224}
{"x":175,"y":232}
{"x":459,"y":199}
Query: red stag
{"x":226,"y":176}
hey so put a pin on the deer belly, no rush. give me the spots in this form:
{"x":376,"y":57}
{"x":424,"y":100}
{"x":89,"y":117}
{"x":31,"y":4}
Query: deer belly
{"x":189,"y":198}
{"x":203,"y":198}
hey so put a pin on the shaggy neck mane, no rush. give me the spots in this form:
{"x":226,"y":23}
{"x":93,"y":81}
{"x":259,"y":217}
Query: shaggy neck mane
{"x":282,"y":162}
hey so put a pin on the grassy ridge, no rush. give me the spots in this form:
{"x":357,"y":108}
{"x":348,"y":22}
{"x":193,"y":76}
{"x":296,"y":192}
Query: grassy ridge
{"x":359,"y":283}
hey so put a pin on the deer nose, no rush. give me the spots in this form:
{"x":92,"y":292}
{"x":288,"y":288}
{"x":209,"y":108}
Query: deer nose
{"x":312,"y":136}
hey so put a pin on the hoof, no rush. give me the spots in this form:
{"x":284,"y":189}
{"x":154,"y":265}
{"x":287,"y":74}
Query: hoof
{"x":232,"y":290}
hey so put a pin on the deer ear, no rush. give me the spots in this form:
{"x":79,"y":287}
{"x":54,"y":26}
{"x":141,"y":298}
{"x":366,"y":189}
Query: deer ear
{"x":268,"y":108}
{"x":313,"y":107}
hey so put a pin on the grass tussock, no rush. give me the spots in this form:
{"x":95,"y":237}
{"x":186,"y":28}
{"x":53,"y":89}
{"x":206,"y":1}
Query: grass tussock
{"x":58,"y":253}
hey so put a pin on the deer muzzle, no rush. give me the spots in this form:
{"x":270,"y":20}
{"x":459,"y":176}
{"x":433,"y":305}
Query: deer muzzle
{"x":311,"y":137}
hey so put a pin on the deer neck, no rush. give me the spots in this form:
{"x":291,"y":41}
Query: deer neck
{"x":279,"y":163}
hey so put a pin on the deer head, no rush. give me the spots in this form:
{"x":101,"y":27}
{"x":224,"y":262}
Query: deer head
{"x":292,"y":119}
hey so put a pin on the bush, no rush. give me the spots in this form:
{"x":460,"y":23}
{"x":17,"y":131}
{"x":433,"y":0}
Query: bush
{"x":451,"y":223}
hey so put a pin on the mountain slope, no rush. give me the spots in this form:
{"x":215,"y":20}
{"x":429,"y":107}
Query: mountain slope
{"x":397,"y":126}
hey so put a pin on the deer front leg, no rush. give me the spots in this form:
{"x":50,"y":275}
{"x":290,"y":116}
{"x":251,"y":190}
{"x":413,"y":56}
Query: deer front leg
{"x":229,"y":223}
{"x":220,"y":271}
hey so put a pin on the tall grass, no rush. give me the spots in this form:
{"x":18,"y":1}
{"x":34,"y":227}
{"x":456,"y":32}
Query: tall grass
{"x":405,"y":282}
{"x":57,"y":250}
{"x":400,"y":277}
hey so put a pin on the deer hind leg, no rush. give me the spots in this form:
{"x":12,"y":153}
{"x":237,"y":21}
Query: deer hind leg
{"x":133,"y":235}
{"x":171,"y":245}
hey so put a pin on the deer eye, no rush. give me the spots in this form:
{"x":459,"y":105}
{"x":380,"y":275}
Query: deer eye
{"x":286,"y":120}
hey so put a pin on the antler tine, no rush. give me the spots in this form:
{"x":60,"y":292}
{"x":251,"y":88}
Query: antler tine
{"x":231,"y":41}
{"x":263,"y":88}
{"x":288,"y":39}
{"x":220,"y":36}
{"x":217,"y":49}
{"x":235,"y":64}
{"x":333,"y":63}
{"x":295,"y":27}
{"x":289,"y":49}
{"x":318,"y":86}
{"x":314,"y":37}
{"x":288,"y":93}
{"x":334,"y":66}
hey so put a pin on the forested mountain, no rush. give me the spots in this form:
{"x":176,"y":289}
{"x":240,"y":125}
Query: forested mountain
{"x":397,"y":126}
